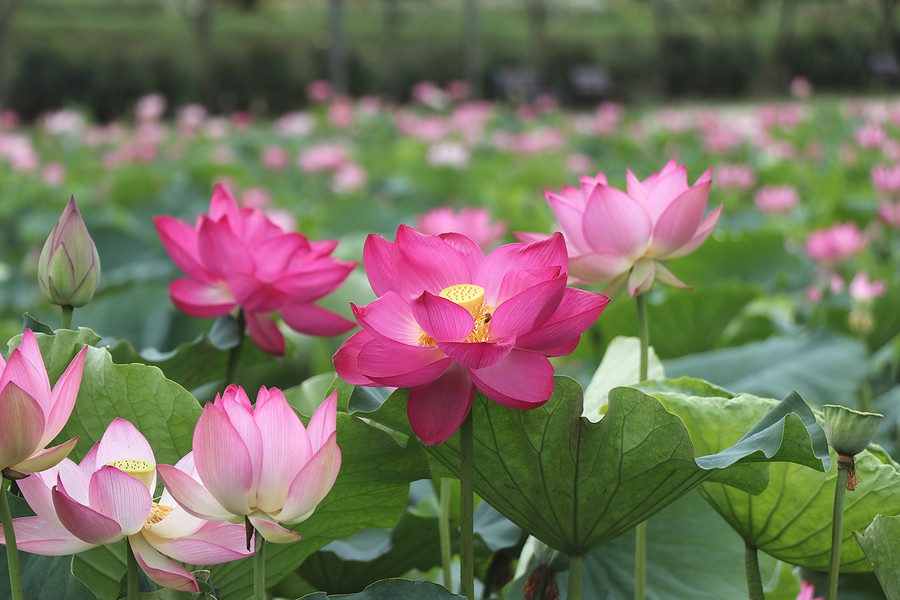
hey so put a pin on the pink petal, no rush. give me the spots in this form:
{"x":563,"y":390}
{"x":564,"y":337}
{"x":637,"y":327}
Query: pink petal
{"x":478,"y":355}
{"x":47,"y":458}
{"x":122,"y":441}
{"x":641,"y":277}
{"x":213,"y":544}
{"x":21,"y":425}
{"x":442,"y":319}
{"x":517,"y":281}
{"x":538,"y":255}
{"x":436,"y":410}
{"x":577,"y":311}
{"x":275,"y":254}
{"x":616,"y":224}
{"x":312,"y":483}
{"x":36,"y":489}
{"x":521,"y":380}
{"x":85,"y":522}
{"x":390,"y":317}
{"x":679,"y":221}
{"x":36,"y":536}
{"x":62,"y":398}
{"x":394,"y":364}
{"x":191,"y":495}
{"x":255,"y":295}
{"x":427,"y":263}
{"x":377,"y":261}
{"x":285,"y":449}
{"x":662,"y":193}
{"x":703,"y":231}
{"x":120,"y":496}
{"x":180,"y":241}
{"x":223,"y":205}
{"x":315,"y":281}
{"x":314,"y":320}
{"x":466,"y":247}
{"x":201,"y":300}
{"x":323,"y":421}
{"x":346,"y":359}
{"x":667,"y":277}
{"x":597,"y":268}
{"x":264,"y":332}
{"x":25,"y":367}
{"x":634,"y":187}
{"x":221,"y":250}
{"x":527,"y":237}
{"x":223,"y":461}
{"x":527,"y":309}
{"x":569,"y":211}
{"x":235,"y":405}
{"x":160,"y":569}
{"x":273,"y":532}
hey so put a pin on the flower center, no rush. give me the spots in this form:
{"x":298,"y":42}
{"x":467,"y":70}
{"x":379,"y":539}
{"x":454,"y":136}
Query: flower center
{"x":140,"y":469}
{"x":470,"y":297}
{"x":467,"y":295}
{"x":158,"y":512}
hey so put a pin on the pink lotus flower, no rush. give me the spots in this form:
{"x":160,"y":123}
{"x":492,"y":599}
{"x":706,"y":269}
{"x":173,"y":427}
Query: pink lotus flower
{"x":776,"y":199}
{"x":324,"y":157}
{"x":31,"y":413}
{"x":474,"y":223}
{"x":109,"y":496}
{"x":449,"y":320}
{"x":807,"y":590}
{"x":258,"y":462}
{"x":864,"y":289}
{"x":619,"y":237}
{"x":237,"y":257}
{"x":835,"y":244}
{"x":886,"y":180}
{"x":738,"y":177}
{"x":890,"y":214}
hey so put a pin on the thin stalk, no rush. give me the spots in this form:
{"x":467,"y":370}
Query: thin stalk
{"x":259,"y":567}
{"x":866,"y":396}
{"x":575,"y":568}
{"x":837,"y":529}
{"x":466,"y":510}
{"x":65,"y":322}
{"x":132,"y":572}
{"x":754,"y":579}
{"x":444,"y":531}
{"x":12,"y":552}
{"x":640,"y":532}
{"x":234,"y":355}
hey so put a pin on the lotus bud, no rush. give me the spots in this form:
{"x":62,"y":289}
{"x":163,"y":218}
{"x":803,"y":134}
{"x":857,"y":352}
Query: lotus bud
{"x":69,"y":266}
{"x":849,"y":432}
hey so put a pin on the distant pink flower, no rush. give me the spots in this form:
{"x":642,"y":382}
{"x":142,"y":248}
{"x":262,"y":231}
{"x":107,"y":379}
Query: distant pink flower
{"x":108,"y":497}
{"x":776,"y":199}
{"x":191,"y":119}
{"x":275,"y":158}
{"x":449,"y":320}
{"x":319,"y":90}
{"x":474,"y":223}
{"x":890,"y":213}
{"x":430,"y":94}
{"x":349,"y":178}
{"x":54,"y":173}
{"x":870,"y":135}
{"x":295,"y":124}
{"x":31,"y":413}
{"x":324,"y":157}
{"x":448,"y":154}
{"x":835,"y":244}
{"x":150,"y":107}
{"x":732,"y":176}
{"x":886,"y":180}
{"x":458,"y":89}
{"x":237,"y":257}
{"x":340,"y":113}
{"x":806,"y":592}
{"x":864,"y":289}
{"x":619,"y":238}
{"x":801,"y":87}
{"x":579,"y":163}
{"x":258,"y":461}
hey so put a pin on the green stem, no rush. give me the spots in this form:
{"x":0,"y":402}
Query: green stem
{"x":837,"y":529}
{"x":575,"y":568}
{"x":640,"y":532}
{"x":132,"y":572}
{"x":444,"y":531}
{"x":259,"y":567}
{"x":65,"y":321}
{"x":466,"y":510}
{"x":754,"y":579}
{"x":12,"y":552}
{"x":866,"y":396}
{"x":234,"y":355}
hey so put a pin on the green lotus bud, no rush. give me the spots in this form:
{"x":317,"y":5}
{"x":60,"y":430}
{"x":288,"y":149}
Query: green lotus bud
{"x":849,"y":431}
{"x":69,"y":267}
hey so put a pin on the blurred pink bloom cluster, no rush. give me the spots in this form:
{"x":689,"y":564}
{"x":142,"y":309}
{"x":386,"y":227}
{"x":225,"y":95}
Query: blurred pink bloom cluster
{"x":835,"y":244}
{"x":776,"y":199}
{"x":474,"y":223}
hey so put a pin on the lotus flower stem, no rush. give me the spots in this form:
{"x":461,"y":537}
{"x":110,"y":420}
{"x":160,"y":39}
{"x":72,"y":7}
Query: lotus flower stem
{"x":65,"y":322}
{"x":131,"y":572}
{"x":466,"y":510}
{"x":444,"y":531}
{"x":259,"y":567}
{"x":575,"y":568}
{"x":234,"y":355}
{"x":837,"y":529}
{"x":754,"y":579}
{"x":12,"y":552}
{"x":640,"y":532}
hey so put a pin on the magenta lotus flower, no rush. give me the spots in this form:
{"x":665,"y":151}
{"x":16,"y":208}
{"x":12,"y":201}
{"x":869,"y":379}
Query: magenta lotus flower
{"x":258,"y":463}
{"x":616,"y":237}
{"x":31,"y":413}
{"x":237,"y":257}
{"x":474,"y":223}
{"x":835,"y":244}
{"x":109,"y":497}
{"x":449,"y":320}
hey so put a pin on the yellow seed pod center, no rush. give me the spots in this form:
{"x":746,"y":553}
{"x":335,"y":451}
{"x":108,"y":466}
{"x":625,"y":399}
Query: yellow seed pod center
{"x":158,"y":512}
{"x":140,"y":469}
{"x":467,"y":295}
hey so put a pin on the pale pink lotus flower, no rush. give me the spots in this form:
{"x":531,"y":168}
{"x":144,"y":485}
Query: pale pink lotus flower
{"x":470,"y":120}
{"x":369,"y":105}
{"x":31,"y":412}
{"x":150,"y":107}
{"x":429,"y":128}
{"x":459,"y":90}
{"x":448,"y":154}
{"x":781,"y":116}
{"x":350,"y":177}
{"x":578,"y":162}
{"x":864,"y":289}
{"x":256,"y":197}
{"x":430,"y":94}
{"x":449,"y":320}
{"x":295,"y":124}
{"x":108,"y":497}
{"x":242,"y":120}
{"x":319,"y":90}
{"x":340,"y":113}
{"x":886,"y":180}
{"x":258,"y":462}
{"x":53,"y":173}
{"x":275,"y":158}
{"x":776,"y":199}
{"x":323,"y":157}
{"x":801,"y":87}
{"x":608,"y":117}
{"x":63,"y":122}
{"x":891,"y":150}
{"x":191,"y":119}
{"x":721,"y":138}
{"x":619,"y":238}
{"x":735,"y":177}
{"x":807,"y":590}
{"x":9,"y":119}
{"x":870,"y":136}
{"x":835,"y":244}
{"x":217,"y":128}
{"x":237,"y":257}
{"x":890,"y":213}
{"x":474,"y":223}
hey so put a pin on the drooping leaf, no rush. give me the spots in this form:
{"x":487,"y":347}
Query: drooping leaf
{"x":392,"y":589}
{"x":881,"y":545}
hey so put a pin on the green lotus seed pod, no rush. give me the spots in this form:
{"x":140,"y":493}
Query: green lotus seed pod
{"x":849,"y":431}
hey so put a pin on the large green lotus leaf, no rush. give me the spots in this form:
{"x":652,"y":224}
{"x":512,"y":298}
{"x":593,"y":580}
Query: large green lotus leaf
{"x":371,"y":491}
{"x":393,"y":589}
{"x":574,"y":484}
{"x":620,"y":366}
{"x":101,"y":569}
{"x":881,"y":544}
{"x":823,"y":367}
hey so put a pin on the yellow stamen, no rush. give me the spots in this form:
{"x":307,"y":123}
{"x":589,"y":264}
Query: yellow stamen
{"x":142,"y":470}
{"x":158,"y":512}
{"x":467,"y":295}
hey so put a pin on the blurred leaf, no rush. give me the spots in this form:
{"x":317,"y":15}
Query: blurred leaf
{"x":496,"y":531}
{"x":887,"y":317}
{"x":393,"y":589}
{"x":101,"y":569}
{"x":881,"y":545}
{"x":224,"y":333}
{"x":620,"y":366}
